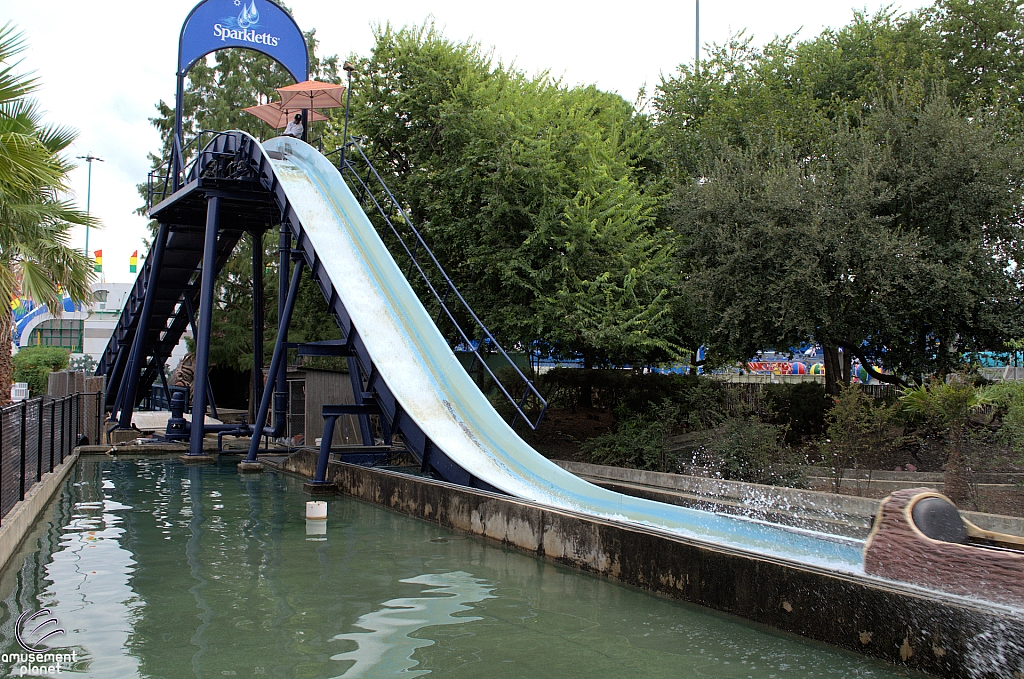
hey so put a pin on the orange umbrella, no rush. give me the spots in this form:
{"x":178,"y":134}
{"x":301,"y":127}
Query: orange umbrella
{"x":275,"y":115}
{"x":312,"y":94}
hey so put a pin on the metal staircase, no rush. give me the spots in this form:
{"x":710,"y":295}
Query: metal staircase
{"x":170,"y":277}
{"x":231,"y":188}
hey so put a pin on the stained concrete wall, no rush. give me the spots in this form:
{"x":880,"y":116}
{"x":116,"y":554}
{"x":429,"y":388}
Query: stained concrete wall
{"x":22,"y":518}
{"x":948,"y":637}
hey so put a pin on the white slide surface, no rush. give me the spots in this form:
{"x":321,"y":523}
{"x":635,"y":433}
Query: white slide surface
{"x":434,"y":389}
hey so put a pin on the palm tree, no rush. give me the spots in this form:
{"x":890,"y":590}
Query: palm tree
{"x":36,"y":256}
{"x":950,"y":405}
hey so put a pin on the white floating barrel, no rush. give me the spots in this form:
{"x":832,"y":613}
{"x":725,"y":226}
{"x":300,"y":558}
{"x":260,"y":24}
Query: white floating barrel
{"x":316,"y":510}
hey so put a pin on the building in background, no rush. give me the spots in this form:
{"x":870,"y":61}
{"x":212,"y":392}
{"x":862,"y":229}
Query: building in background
{"x":84,"y":331}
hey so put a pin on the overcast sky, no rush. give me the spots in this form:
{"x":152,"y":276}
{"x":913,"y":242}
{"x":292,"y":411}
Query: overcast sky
{"x":105,"y":63}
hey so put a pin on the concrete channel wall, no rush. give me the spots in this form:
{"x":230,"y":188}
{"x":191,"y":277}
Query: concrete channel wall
{"x":22,"y":519}
{"x":947,"y":636}
{"x":815,"y":510}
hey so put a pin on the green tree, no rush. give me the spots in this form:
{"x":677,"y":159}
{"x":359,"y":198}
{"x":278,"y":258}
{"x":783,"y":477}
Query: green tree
{"x":832,"y":191}
{"x":36,"y":256}
{"x":538,"y":199}
{"x":981,"y":44}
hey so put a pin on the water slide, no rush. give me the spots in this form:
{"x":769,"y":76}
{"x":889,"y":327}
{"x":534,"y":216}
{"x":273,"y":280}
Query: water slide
{"x":436,"y":392}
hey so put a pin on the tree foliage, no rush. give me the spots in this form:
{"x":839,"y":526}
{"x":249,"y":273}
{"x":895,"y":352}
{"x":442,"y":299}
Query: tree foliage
{"x":536,"y":197}
{"x":37,"y":259}
{"x":850,"y":190}
{"x":860,"y":189}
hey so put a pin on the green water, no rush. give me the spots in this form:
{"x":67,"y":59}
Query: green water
{"x":158,"y":570}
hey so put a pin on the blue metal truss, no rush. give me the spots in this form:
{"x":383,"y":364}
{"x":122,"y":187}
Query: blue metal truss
{"x":230,"y":188}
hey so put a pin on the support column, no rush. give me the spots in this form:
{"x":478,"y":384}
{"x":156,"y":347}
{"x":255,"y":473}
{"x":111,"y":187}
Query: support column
{"x":195,"y":451}
{"x":276,"y":366}
{"x":192,"y":323}
{"x":177,"y":148}
{"x":118,"y":370}
{"x":285,"y":252}
{"x":356,"y":376}
{"x":167,"y":388}
{"x":320,"y":476}
{"x":128,"y":391}
{"x":257,"y":318}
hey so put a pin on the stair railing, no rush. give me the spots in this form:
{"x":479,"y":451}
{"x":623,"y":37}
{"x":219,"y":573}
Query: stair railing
{"x":471,"y":335}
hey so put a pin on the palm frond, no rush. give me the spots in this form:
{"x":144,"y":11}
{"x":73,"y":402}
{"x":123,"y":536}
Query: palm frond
{"x":917,"y":400}
{"x":13,"y":85}
{"x":35,"y":216}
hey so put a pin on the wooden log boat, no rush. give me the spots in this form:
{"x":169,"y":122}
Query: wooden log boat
{"x":919,"y":537}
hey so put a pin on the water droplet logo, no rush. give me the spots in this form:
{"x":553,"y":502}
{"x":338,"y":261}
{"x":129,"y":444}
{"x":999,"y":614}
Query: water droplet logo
{"x":249,"y":16}
{"x":31,"y":639}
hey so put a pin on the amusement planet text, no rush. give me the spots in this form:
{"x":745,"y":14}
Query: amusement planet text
{"x":38,"y":664}
{"x":245,"y":35}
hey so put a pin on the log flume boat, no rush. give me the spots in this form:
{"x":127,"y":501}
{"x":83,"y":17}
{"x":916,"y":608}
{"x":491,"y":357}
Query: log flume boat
{"x":919,"y":537}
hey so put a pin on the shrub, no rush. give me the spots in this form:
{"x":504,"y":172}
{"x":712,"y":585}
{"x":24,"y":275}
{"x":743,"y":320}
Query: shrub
{"x":746,"y":449}
{"x":1007,"y":399}
{"x":639,"y":441}
{"x":33,"y":364}
{"x":801,"y":407}
{"x":650,"y":409}
{"x":630,"y":393}
{"x":856,"y":427}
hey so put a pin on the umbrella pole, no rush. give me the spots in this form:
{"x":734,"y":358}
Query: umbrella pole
{"x":307,"y":115}
{"x":344,"y":133}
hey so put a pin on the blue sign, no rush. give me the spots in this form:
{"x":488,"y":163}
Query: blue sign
{"x":254,"y":24}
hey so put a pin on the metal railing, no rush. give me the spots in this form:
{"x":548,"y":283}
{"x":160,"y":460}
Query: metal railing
{"x":453,"y":316}
{"x":38,"y":435}
{"x":160,"y":182}
{"x":455,"y":319}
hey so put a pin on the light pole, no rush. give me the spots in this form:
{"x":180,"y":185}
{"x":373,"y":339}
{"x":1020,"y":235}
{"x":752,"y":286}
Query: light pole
{"x":88,"y":195}
{"x":696,"y":51}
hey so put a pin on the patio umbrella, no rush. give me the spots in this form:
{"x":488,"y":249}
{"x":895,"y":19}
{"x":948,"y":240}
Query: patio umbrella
{"x":312,"y":94}
{"x":275,"y":115}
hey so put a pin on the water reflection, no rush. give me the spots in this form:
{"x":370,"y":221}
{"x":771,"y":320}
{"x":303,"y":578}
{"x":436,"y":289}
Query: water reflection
{"x":386,"y":646}
{"x":161,"y":571}
{"x":86,"y":581}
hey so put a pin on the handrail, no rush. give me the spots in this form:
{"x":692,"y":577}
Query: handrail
{"x":525,"y":400}
{"x":164,"y":179}
{"x":366,"y":192}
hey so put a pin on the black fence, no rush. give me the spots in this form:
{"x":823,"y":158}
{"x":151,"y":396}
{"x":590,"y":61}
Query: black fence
{"x":39,"y":434}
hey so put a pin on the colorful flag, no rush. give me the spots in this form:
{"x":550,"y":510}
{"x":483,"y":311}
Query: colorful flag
{"x":133,"y":262}
{"x":98,"y":263}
